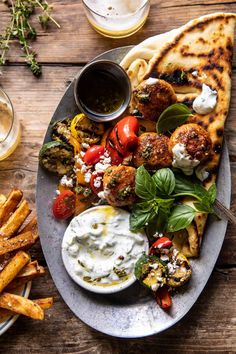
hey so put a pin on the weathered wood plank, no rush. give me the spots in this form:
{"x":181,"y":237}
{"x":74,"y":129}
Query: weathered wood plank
{"x":209,"y":327}
{"x":35,"y":101}
{"x":77,"y":42}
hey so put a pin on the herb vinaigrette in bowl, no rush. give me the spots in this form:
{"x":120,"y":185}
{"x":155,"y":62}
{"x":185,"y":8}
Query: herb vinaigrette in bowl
{"x":103,"y":95}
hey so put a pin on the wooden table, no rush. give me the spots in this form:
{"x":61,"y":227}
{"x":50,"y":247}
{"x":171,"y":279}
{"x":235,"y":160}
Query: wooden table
{"x":211,"y":324}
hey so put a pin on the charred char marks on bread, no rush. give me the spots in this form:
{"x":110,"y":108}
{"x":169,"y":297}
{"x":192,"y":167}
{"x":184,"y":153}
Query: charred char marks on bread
{"x":200,"y":25}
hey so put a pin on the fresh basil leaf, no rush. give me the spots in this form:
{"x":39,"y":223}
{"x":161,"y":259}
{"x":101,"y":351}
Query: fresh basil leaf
{"x":206,"y":204}
{"x":172,"y":117}
{"x":164,"y":180}
{"x":180,"y":217}
{"x":145,"y":187}
{"x":211,"y":193}
{"x":185,"y":187}
{"x":203,"y":207}
{"x":141,"y":214}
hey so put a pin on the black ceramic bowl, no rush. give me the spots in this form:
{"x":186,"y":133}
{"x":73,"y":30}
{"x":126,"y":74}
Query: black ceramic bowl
{"x":86,"y":89}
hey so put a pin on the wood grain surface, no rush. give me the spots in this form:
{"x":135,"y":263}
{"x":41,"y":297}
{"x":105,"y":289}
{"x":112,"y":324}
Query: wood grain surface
{"x":210,"y":327}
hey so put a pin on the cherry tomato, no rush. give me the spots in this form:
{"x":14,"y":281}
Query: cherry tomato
{"x":64,"y":205}
{"x":163,"y":298}
{"x":93,"y":154}
{"x":163,"y":242}
{"x":95,"y":189}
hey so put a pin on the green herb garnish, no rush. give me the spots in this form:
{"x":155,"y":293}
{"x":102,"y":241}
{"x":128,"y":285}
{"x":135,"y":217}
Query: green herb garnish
{"x":172,"y":117}
{"x":160,"y":207}
{"x":20,"y":29}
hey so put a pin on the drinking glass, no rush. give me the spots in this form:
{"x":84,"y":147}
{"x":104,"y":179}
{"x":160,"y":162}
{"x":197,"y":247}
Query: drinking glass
{"x":116,"y":18}
{"x":10,"y":131}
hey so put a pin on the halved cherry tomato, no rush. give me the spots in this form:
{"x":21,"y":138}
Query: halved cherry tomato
{"x":64,"y":205}
{"x":163,"y":297}
{"x":93,"y":154}
{"x":163,"y":242}
{"x":95,"y":189}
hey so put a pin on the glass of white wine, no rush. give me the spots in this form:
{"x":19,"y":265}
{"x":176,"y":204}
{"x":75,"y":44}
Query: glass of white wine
{"x":10,"y":131}
{"x":116,"y":18}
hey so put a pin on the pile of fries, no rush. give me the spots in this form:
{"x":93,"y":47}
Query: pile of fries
{"x":16,"y":267}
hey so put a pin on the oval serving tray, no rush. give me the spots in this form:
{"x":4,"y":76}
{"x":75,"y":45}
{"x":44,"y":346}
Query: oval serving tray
{"x":131,"y":313}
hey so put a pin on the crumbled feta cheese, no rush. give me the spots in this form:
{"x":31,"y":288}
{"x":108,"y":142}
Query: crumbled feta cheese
{"x":100,"y":167}
{"x":87,"y":177}
{"x":97,"y":182}
{"x":66,"y":181}
{"x":154,"y":266}
{"x":164,"y":258}
{"x":154,"y":287}
{"x":82,"y":153}
{"x":195,"y":73}
{"x":85,"y":145}
{"x":158,"y":234}
{"x":58,"y":192}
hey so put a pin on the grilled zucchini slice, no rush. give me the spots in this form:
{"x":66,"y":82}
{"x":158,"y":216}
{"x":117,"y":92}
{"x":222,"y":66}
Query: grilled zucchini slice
{"x":57,"y":157}
{"x":182,"y":272}
{"x":150,"y":271}
{"x":61,"y":130}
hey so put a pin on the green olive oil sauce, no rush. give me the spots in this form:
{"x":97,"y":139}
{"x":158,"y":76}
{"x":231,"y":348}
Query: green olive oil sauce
{"x":101,"y":92}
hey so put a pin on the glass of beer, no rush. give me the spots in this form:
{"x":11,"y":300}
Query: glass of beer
{"x":116,"y":18}
{"x":10,"y":131}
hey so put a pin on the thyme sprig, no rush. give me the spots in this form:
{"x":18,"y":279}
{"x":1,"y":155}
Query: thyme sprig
{"x":21,"y":30}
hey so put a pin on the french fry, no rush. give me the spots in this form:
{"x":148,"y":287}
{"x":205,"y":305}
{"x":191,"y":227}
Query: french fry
{"x":21,"y":305}
{"x":10,"y":205}
{"x":45,"y":304}
{"x":11,"y":270}
{"x":15,"y":221}
{"x":28,"y":273}
{"x":20,"y":242}
{"x":31,"y":226}
{"x":2,"y":199}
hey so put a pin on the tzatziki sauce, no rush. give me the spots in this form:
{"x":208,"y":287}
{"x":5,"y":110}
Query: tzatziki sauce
{"x":206,"y":101}
{"x":182,"y":160}
{"x":99,"y":250}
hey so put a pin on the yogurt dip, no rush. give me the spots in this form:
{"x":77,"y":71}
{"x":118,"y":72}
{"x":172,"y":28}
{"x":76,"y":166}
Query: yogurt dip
{"x":99,"y":251}
{"x":206,"y":101}
{"x":182,"y":160}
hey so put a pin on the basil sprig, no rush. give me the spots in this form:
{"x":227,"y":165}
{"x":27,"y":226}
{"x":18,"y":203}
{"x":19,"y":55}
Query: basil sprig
{"x":172,"y":117}
{"x":160,"y":208}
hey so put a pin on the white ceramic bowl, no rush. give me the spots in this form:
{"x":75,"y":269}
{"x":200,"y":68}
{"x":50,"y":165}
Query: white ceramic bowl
{"x":68,"y":263}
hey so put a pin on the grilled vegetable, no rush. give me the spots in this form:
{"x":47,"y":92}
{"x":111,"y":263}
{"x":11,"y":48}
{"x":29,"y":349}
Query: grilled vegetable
{"x":85,"y":130}
{"x":93,"y":154}
{"x":180,"y":273}
{"x":64,"y":205}
{"x":56,"y":157}
{"x":163,"y":298}
{"x":150,"y":272}
{"x":61,"y":130}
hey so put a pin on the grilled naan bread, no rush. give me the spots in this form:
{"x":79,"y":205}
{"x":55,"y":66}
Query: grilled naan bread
{"x":199,"y":52}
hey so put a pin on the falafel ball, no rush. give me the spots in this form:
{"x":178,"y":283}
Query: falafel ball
{"x":119,"y":185}
{"x":152,"y":97}
{"x":194,"y":138}
{"x":152,"y":151}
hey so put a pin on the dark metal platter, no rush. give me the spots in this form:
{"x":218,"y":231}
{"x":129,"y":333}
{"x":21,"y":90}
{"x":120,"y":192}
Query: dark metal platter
{"x":131,"y":313}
